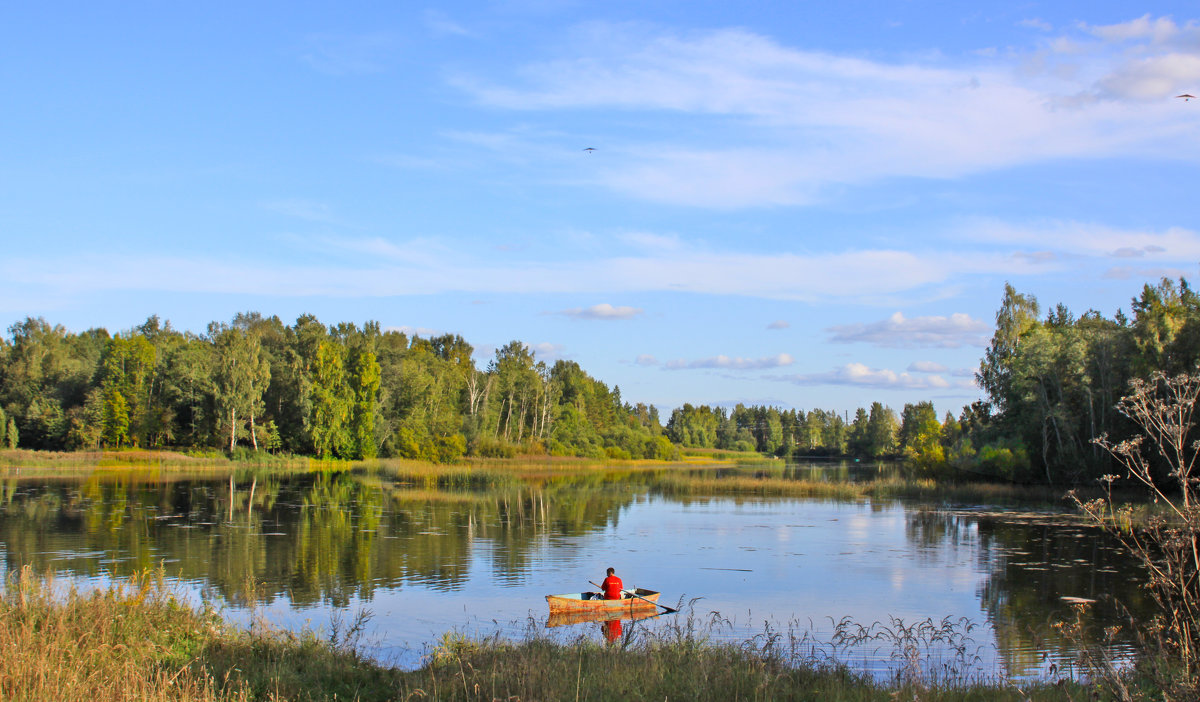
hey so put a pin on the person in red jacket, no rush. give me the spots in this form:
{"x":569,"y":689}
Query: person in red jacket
{"x":612,"y":586}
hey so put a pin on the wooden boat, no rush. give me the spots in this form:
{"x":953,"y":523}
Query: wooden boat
{"x":592,"y":602}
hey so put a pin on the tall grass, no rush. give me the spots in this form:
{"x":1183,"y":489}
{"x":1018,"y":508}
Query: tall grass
{"x":136,"y":640}
{"x":681,"y":662}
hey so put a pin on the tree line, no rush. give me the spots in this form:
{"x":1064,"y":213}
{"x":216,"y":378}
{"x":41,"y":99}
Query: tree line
{"x":1050,"y":386}
{"x":308,"y":389}
{"x":1053,"y":383}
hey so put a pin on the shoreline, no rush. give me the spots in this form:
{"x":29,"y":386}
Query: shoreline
{"x":138,"y":636}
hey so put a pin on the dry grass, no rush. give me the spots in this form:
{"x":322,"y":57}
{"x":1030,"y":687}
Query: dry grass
{"x":136,"y":641}
{"x":131,"y":642}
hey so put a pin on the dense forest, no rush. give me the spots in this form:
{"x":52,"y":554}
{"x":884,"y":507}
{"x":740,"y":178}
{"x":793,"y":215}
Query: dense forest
{"x":338,"y":391}
{"x":1050,"y":385}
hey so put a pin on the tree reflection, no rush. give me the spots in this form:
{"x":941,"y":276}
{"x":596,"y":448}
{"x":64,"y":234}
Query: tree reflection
{"x":1029,"y":560}
{"x":317,"y":538}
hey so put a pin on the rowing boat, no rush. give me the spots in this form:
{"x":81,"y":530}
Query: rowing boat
{"x":591,"y":602}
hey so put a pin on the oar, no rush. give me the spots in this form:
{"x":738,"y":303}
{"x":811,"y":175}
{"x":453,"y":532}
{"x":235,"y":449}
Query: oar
{"x":667,"y":610}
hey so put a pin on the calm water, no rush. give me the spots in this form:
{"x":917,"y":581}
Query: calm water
{"x":427,"y":561}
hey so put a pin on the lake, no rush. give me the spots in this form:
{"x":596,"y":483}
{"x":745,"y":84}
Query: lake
{"x":477,"y":558}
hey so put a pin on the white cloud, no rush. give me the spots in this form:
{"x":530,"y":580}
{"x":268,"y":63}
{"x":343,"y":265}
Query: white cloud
{"x":821,"y":119}
{"x":898,"y":331}
{"x":779,"y":324}
{"x":603,"y":311}
{"x":1088,"y":239}
{"x":376,"y":267}
{"x":649,"y":241}
{"x":1125,"y":273}
{"x":646,"y":359}
{"x":546,"y":351}
{"x":425,"y":332}
{"x":440,"y":23}
{"x":926,"y":367}
{"x":860,"y":374}
{"x":1158,"y":30}
{"x":1152,"y":78}
{"x":731,"y":363}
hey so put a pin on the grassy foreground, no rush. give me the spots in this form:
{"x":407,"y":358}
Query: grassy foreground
{"x":137,"y":641}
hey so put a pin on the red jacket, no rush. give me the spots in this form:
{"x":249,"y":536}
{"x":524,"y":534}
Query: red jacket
{"x":612,"y":587}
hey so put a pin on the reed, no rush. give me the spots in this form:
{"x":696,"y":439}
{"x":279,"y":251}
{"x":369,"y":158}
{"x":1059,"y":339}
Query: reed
{"x":681,"y":662}
{"x":136,"y":640}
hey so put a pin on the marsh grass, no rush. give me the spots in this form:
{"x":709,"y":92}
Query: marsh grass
{"x":879,"y":488}
{"x":683,"y":660}
{"x":27,"y":463}
{"x":136,"y":640}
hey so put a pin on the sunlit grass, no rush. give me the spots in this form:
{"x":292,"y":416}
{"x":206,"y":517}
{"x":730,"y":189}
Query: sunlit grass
{"x":701,"y":486}
{"x":698,"y":473}
{"x":137,"y":641}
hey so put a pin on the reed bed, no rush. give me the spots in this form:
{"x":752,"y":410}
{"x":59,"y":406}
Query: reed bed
{"x":702,"y":486}
{"x":681,"y":662}
{"x":135,"y":640}
{"x":879,"y":488}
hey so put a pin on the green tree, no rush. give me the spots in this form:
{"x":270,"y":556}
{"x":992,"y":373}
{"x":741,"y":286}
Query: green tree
{"x":1018,"y":314}
{"x":881,"y":431}
{"x":857,"y":439}
{"x":365,"y":382}
{"x":242,"y":375}
{"x":332,"y":401}
{"x":116,"y":418}
{"x":921,"y":437}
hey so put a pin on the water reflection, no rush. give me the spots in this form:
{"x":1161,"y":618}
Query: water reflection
{"x":426,"y":554}
{"x":317,"y":538}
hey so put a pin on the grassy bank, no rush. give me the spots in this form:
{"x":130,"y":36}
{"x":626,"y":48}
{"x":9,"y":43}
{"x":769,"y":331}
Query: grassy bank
{"x":878,"y":488}
{"x":137,"y":641}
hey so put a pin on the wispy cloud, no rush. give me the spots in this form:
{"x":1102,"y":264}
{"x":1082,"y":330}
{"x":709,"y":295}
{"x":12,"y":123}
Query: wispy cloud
{"x":1086,"y":239}
{"x":425,"y":332}
{"x":603,"y":311}
{"x":440,"y":23}
{"x":341,"y":54}
{"x":899,"y":331}
{"x":731,"y":363}
{"x":779,"y":324}
{"x":375,"y":266}
{"x":827,"y":119}
{"x":302,"y":209}
{"x":860,"y":374}
{"x":546,"y":351}
{"x":926,"y":367}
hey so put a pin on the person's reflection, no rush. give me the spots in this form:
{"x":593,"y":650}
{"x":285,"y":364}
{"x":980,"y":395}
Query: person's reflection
{"x":611,"y":630}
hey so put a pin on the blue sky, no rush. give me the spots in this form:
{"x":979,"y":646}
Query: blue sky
{"x":795,"y":204}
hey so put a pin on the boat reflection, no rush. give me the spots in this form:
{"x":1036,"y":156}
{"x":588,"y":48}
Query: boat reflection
{"x":611,"y":626}
{"x":632,"y":614}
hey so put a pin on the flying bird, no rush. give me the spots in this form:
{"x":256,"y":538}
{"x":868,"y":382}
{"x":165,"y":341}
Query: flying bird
{"x":1185,"y":97}
{"x":589,"y":149}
